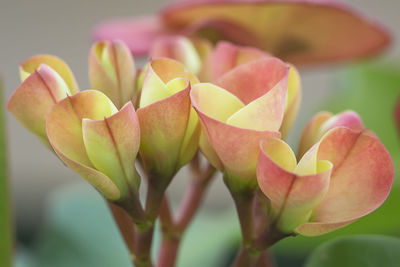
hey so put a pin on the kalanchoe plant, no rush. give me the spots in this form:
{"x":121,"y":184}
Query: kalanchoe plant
{"x":234,"y":103}
{"x":237,"y":114}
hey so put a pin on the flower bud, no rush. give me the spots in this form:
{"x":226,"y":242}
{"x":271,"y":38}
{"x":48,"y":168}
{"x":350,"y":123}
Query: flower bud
{"x":97,"y":141}
{"x":168,"y":124}
{"x":112,"y":71}
{"x":190,"y":52}
{"x":39,"y":91}
{"x":343,"y":177}
{"x":322,"y":122}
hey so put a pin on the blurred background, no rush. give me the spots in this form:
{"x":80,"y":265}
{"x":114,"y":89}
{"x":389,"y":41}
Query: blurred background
{"x":63,"y":28}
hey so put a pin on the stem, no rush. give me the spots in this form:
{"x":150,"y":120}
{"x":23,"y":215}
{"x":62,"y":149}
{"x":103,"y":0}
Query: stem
{"x":6,"y":216}
{"x":265,"y":260}
{"x":142,"y":248}
{"x":155,"y":194}
{"x":173,"y":229}
{"x":168,"y":251}
{"x":269,"y":237}
{"x":193,"y":198}
{"x":165,"y":213}
{"x":125,"y":225}
{"x":144,"y":231}
{"x":244,"y":207}
{"x":246,"y":258}
{"x":260,"y":209}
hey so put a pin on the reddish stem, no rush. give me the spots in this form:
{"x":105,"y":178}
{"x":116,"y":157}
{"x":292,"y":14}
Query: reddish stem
{"x":168,"y":251}
{"x":125,"y":225}
{"x":193,"y":198}
{"x":174,"y":229}
{"x":245,"y":258}
{"x":142,"y":247}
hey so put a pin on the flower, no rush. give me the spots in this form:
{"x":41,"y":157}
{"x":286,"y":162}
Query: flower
{"x":246,"y":105}
{"x":168,"y":124}
{"x":112,"y":71}
{"x":284,"y":28}
{"x":97,"y":141}
{"x":343,"y":177}
{"x":191,"y":52}
{"x":225,"y":56}
{"x":322,"y":122}
{"x":45,"y":79}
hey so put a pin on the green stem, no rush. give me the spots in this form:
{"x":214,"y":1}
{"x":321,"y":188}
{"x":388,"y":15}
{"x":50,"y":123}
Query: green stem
{"x":6,"y":228}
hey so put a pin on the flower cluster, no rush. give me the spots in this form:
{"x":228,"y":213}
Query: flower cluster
{"x":236,"y":104}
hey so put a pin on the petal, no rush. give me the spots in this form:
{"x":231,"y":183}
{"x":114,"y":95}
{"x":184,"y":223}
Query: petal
{"x":235,"y":147}
{"x":163,"y":127}
{"x":64,"y":131}
{"x":112,"y":145}
{"x":215,"y":101}
{"x":323,"y":122}
{"x":285,"y":28}
{"x":32,"y":100}
{"x":264,"y":113}
{"x":138,"y":33}
{"x":159,"y":73}
{"x":218,"y":104}
{"x":226,"y":56}
{"x":179,"y":48}
{"x":311,"y":131}
{"x":293,"y":195}
{"x":58,"y":65}
{"x":292,"y":101}
{"x":190,"y":142}
{"x":254,"y":79}
{"x":361,"y":179}
{"x":112,"y":71}
{"x":315,"y":228}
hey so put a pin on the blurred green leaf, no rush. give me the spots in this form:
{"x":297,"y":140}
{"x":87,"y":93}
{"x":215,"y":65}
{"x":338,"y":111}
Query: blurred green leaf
{"x":6,"y":230}
{"x":372,"y":90}
{"x":357,"y":251}
{"x":81,"y":232}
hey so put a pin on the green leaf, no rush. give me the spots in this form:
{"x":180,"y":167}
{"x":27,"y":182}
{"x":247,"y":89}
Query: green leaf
{"x":6,"y":229}
{"x":357,"y":251}
{"x":372,"y":90}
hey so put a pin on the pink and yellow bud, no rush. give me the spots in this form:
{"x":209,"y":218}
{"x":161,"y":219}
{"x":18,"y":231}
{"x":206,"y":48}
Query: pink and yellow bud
{"x":112,"y":71}
{"x":41,"y":88}
{"x":97,"y":141}
{"x":343,"y":177}
{"x":226,"y":56}
{"x":189,"y":52}
{"x":294,"y":189}
{"x":29,"y":66}
{"x":168,"y":124}
{"x":245,"y":106}
{"x":322,"y":122}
